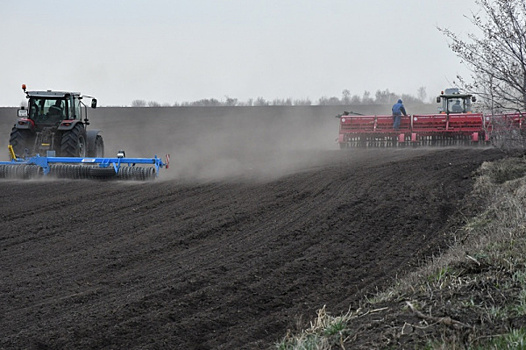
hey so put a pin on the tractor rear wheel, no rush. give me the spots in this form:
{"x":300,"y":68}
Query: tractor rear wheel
{"x":73,"y":143}
{"x":21,"y":140}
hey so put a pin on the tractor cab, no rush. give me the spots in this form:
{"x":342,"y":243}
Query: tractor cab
{"x":455,"y":102}
{"x":50,"y":108}
{"x":55,"y":121}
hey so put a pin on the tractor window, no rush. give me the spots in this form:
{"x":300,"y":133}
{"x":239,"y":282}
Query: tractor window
{"x":77,"y":109}
{"x":44,"y":110}
{"x":456,"y":105}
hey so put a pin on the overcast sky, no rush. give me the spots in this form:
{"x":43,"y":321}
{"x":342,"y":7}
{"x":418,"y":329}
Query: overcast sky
{"x":185,"y":50}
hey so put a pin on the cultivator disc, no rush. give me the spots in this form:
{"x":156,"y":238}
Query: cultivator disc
{"x":120,"y":168}
{"x":25,"y":171}
{"x":136,"y":173}
{"x":68,"y":171}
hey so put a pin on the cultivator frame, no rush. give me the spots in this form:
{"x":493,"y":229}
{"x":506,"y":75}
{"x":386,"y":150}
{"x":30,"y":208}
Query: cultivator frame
{"x":120,"y":167}
{"x":415,"y":130}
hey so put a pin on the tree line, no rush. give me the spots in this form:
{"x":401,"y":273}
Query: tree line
{"x":380,"y":97}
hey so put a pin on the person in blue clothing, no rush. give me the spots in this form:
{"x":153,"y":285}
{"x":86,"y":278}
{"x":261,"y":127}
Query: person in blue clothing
{"x":398,"y":110}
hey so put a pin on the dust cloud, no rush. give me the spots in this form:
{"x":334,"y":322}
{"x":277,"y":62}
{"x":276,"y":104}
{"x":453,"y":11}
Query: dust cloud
{"x":216,"y":143}
{"x":221,"y":143}
{"x":211,"y":143}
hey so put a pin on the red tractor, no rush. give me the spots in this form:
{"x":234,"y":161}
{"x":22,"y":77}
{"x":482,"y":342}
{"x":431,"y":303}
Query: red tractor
{"x":55,"y":121}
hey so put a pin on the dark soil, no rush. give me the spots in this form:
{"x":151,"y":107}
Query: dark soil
{"x":220,"y":262}
{"x":229,"y":264}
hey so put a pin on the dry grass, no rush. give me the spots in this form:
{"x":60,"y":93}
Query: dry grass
{"x":325,"y":332}
{"x":508,"y":136}
{"x":471,"y":297}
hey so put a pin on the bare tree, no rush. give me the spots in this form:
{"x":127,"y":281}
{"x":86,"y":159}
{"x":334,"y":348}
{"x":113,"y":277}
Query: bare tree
{"x":246,"y":103}
{"x":302,"y":102}
{"x":346,"y":97}
{"x":329,"y":101}
{"x":355,"y":100}
{"x":497,"y":57}
{"x":138,"y":103}
{"x":366,"y":99}
{"x":260,"y":101}
{"x":410,"y":99}
{"x":422,"y":94}
{"x":230,"y":101}
{"x":385,"y":97}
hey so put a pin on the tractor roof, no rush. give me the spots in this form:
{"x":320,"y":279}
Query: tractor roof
{"x":456,"y":95}
{"x":51,"y":94}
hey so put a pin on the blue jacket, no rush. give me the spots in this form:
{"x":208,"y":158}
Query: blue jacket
{"x":398,"y":108}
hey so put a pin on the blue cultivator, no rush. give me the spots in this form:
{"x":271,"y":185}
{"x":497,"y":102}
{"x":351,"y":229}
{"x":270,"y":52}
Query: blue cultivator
{"x":120,"y":168}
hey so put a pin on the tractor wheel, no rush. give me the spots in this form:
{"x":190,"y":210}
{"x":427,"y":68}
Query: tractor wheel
{"x":21,"y":140}
{"x":73,"y":143}
{"x":98,"y":151}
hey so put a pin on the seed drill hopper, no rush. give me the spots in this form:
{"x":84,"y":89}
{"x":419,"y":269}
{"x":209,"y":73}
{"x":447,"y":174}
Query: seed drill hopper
{"x":455,"y":124}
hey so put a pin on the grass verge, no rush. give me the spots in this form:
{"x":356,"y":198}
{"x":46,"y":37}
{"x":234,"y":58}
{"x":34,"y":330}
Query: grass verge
{"x":471,"y":297}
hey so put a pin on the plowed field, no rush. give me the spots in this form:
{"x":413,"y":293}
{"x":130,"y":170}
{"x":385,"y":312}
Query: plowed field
{"x":229,"y":248}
